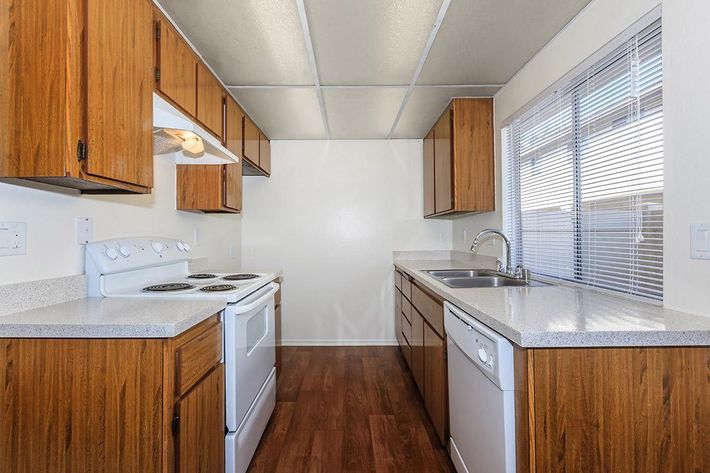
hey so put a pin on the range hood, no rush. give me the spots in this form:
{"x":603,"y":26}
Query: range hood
{"x":174,"y":132}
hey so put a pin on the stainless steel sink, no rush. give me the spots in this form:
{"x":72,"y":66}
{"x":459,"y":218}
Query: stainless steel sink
{"x":474,"y":278}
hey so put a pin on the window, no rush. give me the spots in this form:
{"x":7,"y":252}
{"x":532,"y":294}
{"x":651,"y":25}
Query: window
{"x":584,"y":175}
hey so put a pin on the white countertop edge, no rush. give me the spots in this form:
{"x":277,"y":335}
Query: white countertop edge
{"x":562,"y":339}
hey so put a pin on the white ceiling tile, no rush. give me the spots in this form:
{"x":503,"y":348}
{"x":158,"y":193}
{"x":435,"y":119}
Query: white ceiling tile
{"x":364,"y":113}
{"x":284,"y":113}
{"x":488,"y":41}
{"x":426,"y":104}
{"x":247,"y":42}
{"x":369,"y":42}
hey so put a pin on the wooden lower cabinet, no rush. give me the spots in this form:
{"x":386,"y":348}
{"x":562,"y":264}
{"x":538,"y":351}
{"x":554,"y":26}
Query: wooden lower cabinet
{"x":436,"y":381}
{"x":424,"y":348}
{"x":621,"y":410}
{"x":277,"y":326}
{"x":111,"y":405}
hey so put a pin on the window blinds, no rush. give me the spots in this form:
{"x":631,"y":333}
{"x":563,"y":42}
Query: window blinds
{"x":584,"y":175}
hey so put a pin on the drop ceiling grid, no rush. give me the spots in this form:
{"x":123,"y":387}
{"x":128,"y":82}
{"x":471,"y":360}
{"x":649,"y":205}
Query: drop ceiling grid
{"x":361,"y":88}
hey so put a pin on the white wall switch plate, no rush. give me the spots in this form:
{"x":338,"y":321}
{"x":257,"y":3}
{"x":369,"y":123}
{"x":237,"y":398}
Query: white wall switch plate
{"x":84,"y":230}
{"x":13,"y":238}
{"x":700,"y":241}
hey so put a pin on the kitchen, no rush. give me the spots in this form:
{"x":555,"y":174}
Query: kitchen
{"x":314,"y":177}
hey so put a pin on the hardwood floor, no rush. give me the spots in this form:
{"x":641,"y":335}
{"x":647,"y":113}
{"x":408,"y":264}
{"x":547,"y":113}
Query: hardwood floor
{"x":348,"y":409}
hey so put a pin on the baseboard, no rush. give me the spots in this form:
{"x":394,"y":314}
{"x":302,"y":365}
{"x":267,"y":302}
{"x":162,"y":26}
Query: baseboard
{"x":338,"y":343}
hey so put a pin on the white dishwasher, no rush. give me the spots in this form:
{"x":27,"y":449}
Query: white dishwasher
{"x":481,"y":397}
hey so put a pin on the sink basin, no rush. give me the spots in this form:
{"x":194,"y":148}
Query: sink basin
{"x":461,"y":273}
{"x":473,"y":278}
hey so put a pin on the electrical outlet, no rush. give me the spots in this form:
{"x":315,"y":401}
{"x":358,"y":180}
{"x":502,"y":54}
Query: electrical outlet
{"x":84,"y":230}
{"x":13,"y":238}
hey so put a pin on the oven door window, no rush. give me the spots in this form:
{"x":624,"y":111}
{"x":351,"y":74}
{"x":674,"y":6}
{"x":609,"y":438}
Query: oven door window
{"x":257,"y":328}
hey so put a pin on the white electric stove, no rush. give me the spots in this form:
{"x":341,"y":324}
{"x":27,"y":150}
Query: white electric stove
{"x":155,"y":267}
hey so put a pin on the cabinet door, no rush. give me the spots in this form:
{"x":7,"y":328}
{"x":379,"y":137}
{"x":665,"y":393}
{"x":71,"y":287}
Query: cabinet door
{"x":398,"y":316}
{"x":417,"y":343}
{"x":264,"y":153}
{"x":178,"y":68}
{"x":233,"y":126}
{"x":233,"y":186}
{"x":251,"y":141}
{"x":119,"y":88}
{"x":200,"y":433}
{"x":443,"y":164}
{"x":210,"y":101}
{"x":435,"y":381}
{"x":429,"y":201}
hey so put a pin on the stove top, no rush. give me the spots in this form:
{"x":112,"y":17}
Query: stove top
{"x":168,"y":287}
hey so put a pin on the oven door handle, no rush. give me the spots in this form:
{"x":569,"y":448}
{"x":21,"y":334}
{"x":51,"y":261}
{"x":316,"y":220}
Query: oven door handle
{"x":242,"y":309}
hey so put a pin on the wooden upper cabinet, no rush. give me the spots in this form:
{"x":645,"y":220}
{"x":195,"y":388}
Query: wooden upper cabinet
{"x":463,"y":159}
{"x":209,"y":188}
{"x":429,"y":202}
{"x":176,"y":67}
{"x":119,"y":91}
{"x":264,"y":153}
{"x":443,"y":165}
{"x":234,"y":135}
{"x":210,"y":101}
{"x":74,"y":116}
{"x":251,"y":141}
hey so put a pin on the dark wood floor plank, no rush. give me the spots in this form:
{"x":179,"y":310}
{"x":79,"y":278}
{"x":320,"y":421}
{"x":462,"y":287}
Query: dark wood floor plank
{"x":348,"y":410}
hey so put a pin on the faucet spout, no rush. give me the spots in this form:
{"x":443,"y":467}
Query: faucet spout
{"x":493,"y":232}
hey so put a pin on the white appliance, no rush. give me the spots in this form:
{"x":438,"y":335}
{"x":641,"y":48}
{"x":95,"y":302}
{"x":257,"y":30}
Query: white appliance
{"x":481,"y":397}
{"x":158,"y":268}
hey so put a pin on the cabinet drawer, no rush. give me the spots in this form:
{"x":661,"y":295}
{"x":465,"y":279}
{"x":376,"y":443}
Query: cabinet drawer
{"x":197,"y":357}
{"x":398,"y":280}
{"x":407,"y":287}
{"x":406,"y":328}
{"x":430,"y":308}
{"x":407,"y":309}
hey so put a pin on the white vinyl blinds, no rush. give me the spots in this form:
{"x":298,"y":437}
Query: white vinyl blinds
{"x":584,"y":175}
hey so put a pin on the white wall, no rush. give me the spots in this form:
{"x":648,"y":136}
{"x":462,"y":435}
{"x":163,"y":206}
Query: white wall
{"x":52,"y":250}
{"x":686,"y":125}
{"x":330,"y":217}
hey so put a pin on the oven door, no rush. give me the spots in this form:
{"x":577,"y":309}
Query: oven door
{"x":249,"y":350}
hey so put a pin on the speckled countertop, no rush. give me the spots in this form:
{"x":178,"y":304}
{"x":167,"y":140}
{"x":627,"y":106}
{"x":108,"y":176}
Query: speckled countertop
{"x":565,"y":316}
{"x":110,"y":318}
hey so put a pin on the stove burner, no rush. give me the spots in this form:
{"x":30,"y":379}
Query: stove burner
{"x":202,"y":276}
{"x":173,"y":286}
{"x":240,"y":277}
{"x":218,"y":288}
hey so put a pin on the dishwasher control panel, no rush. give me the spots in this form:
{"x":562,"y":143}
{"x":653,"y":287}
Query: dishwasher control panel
{"x":488,"y":350}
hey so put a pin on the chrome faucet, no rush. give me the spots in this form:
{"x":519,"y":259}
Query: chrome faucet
{"x":519,"y":272}
{"x":490,"y":231}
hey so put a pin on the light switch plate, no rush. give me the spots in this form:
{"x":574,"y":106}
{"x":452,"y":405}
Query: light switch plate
{"x":700,"y":241}
{"x":84,"y":230}
{"x":13,"y":238}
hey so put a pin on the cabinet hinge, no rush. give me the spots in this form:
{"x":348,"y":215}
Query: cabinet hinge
{"x":80,"y":151}
{"x":176,"y":424}
{"x":157,"y":74}
{"x":157,"y":31}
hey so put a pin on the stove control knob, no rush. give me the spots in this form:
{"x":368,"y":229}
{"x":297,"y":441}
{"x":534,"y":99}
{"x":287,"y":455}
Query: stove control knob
{"x":111,"y":253}
{"x":482,"y":355}
{"x":187,"y":247}
{"x":157,"y":247}
{"x":180,"y":246}
{"x":125,"y":251}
